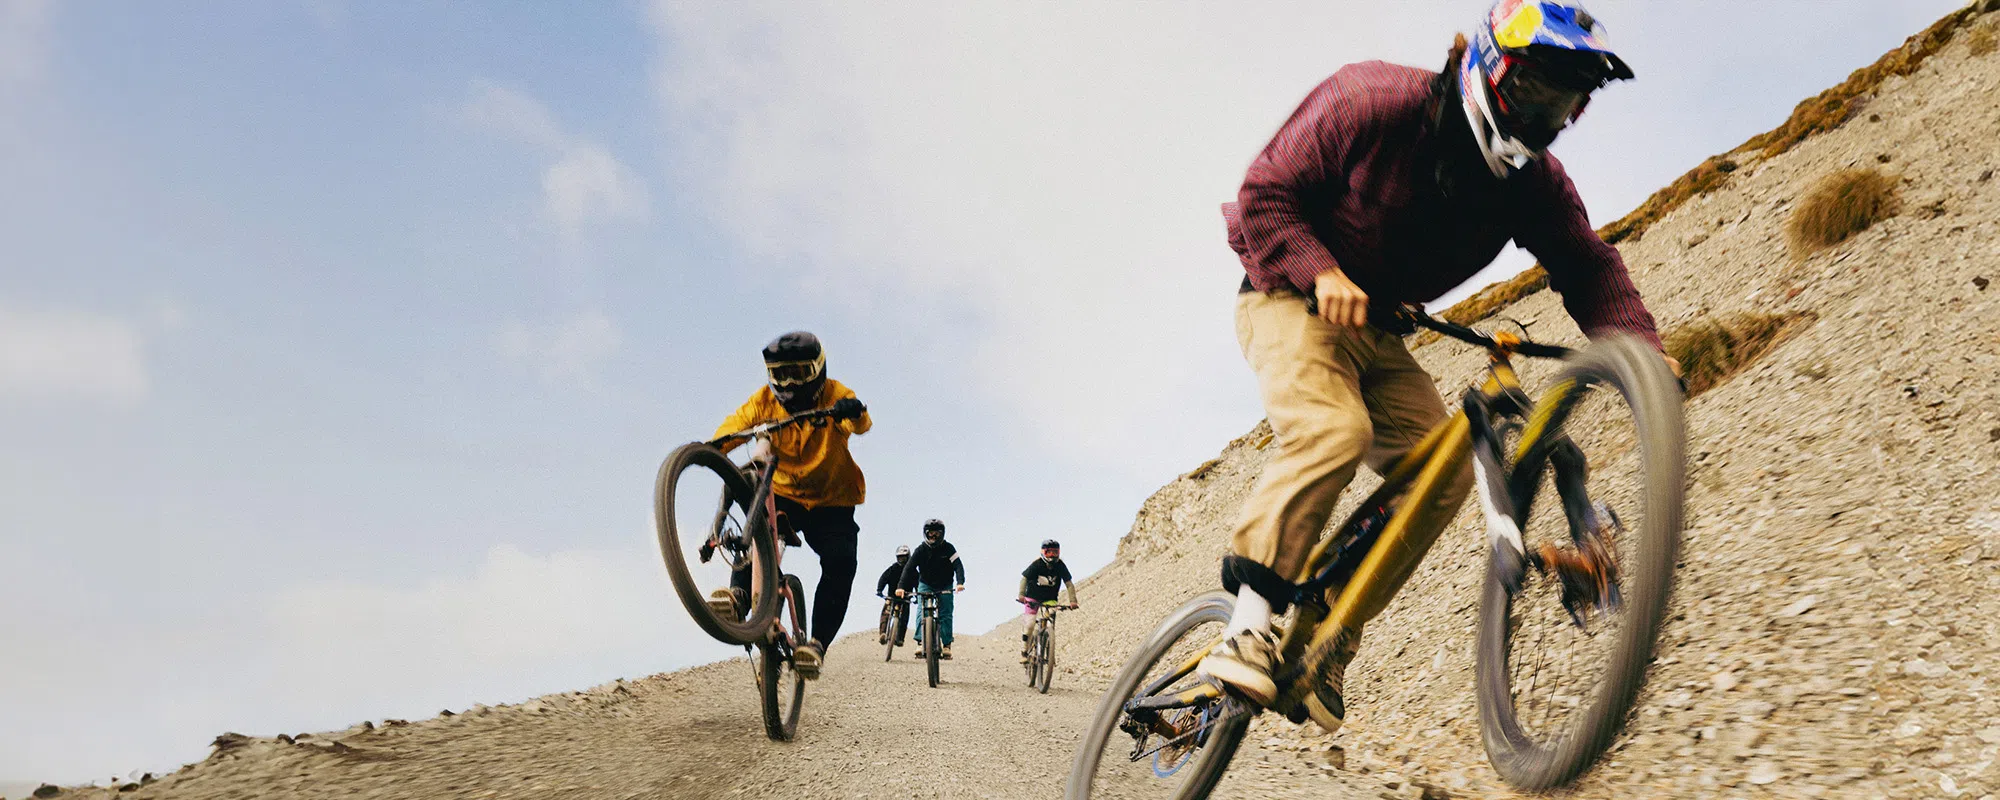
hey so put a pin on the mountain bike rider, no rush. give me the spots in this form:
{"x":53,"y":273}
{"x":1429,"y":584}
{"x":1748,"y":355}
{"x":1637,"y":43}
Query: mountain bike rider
{"x":1392,"y":184}
{"x":887,"y":582}
{"x":932,"y":567}
{"x":817,"y":482}
{"x":1038,"y":583}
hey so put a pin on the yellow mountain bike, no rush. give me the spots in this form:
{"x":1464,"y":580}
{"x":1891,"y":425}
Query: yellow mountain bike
{"x":1574,"y":596}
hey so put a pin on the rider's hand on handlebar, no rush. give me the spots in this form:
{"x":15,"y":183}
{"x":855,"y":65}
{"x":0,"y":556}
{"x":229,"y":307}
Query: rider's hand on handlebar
{"x":1341,"y":303}
{"x":961,"y":588}
{"x":902,"y":592}
{"x":1073,"y":606}
{"x":848,"y":408}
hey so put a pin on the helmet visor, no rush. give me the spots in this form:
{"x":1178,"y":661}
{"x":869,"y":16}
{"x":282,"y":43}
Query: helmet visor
{"x":1538,"y":107}
{"x":794,"y":373}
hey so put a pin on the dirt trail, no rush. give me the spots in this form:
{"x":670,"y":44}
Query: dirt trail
{"x":870,"y":729}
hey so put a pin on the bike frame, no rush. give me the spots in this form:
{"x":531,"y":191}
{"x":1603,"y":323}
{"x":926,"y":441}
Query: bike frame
{"x":1328,"y":605}
{"x":764,"y":510}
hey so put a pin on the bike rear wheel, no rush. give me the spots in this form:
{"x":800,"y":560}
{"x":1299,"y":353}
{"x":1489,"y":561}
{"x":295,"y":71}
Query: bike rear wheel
{"x":701,"y":501}
{"x":931,"y":638}
{"x":782,"y":688}
{"x":1045,"y":660}
{"x":1555,"y":689}
{"x":1153,"y":768}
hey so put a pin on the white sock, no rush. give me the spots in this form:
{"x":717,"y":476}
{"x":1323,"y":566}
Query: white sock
{"x":1253,"y":612}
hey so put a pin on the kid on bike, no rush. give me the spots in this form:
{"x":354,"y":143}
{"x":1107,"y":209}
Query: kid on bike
{"x":932,"y":568}
{"x":1039,"y":582}
{"x":817,"y":482}
{"x":1392,"y":185}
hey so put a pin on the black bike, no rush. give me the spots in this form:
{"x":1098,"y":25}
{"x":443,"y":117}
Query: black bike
{"x":895,"y":622}
{"x":932,"y":638}
{"x":744,"y":533}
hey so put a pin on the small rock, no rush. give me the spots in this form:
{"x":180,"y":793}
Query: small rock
{"x":1696,"y":240}
{"x":1926,"y":669}
{"x":1906,"y":730}
{"x":1989,"y":735}
{"x":1678,"y":699}
{"x":48,"y":790}
{"x":1800,"y":606}
{"x":1980,"y":282}
{"x":1723,"y":681}
{"x":1337,"y":757}
{"x":1755,"y":709}
{"x":1764,"y":773}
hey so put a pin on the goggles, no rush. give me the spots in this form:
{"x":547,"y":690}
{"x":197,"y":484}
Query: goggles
{"x":795,"y":373}
{"x":1537,"y":105}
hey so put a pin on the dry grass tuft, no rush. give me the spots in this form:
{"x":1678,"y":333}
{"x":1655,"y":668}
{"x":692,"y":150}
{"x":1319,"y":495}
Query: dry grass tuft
{"x":1711,"y":350}
{"x":1823,"y":112}
{"x":1981,"y":41}
{"x":1840,"y":205}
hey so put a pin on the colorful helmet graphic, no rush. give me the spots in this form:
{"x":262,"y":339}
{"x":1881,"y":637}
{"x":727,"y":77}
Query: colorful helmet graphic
{"x":1527,"y":73}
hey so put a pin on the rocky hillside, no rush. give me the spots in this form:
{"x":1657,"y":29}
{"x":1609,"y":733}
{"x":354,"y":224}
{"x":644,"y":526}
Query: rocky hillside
{"x":1837,"y":623}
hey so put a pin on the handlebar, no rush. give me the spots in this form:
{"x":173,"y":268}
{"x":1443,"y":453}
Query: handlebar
{"x":755,"y":431}
{"x":1407,"y":317}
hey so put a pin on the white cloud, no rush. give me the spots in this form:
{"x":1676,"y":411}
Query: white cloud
{"x":583,"y":183}
{"x":562,"y":349}
{"x":64,"y":355}
{"x":493,"y":635}
{"x":588,"y":183}
{"x":1059,"y":166}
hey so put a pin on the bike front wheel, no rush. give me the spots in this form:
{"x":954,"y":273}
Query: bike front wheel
{"x":931,"y":638}
{"x":1562,"y":656}
{"x":782,"y":688}
{"x":1045,"y":660}
{"x":1179,"y":753}
{"x":710,"y":528}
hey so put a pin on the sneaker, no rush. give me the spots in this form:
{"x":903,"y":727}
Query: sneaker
{"x":1024,"y":656}
{"x":1325,"y":705}
{"x":1244,"y":663}
{"x":920,"y":653}
{"x":806,"y":660}
{"x":728,"y":602}
{"x":944,"y":653}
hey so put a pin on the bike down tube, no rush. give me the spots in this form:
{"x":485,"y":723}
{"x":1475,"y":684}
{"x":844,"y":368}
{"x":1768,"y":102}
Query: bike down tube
{"x":1396,"y":554}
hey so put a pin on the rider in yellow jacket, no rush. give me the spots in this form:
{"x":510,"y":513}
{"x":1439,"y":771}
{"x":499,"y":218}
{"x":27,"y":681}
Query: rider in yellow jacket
{"x":817,"y":483}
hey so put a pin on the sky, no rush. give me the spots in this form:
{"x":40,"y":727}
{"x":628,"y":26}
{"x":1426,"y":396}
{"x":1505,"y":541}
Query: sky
{"x":339,"y":341}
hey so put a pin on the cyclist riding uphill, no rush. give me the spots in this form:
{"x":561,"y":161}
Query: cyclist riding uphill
{"x":1039,"y":582}
{"x":817,"y":482}
{"x":1392,"y":185}
{"x":887,"y":582}
{"x":932,"y":567}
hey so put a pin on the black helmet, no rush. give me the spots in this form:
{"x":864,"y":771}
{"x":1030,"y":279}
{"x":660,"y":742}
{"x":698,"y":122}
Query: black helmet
{"x":795,"y":365}
{"x":1051,"y":544}
{"x":933,"y":525}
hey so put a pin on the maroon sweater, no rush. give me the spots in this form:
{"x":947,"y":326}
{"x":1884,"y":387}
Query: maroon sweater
{"x":1349,"y":181}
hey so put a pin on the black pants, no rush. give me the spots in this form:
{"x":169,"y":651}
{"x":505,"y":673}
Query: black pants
{"x":833,"y":535}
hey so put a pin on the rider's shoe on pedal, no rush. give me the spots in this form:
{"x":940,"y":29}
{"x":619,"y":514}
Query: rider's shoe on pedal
{"x":1244,"y":662}
{"x":807,"y":660}
{"x":944,"y":653}
{"x":728,"y":602}
{"x":1325,"y":705}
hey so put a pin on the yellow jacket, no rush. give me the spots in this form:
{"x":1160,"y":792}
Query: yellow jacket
{"x":814,"y":467}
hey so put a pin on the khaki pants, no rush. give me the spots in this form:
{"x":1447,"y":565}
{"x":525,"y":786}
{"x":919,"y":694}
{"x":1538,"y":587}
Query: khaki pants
{"x":1335,"y":397}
